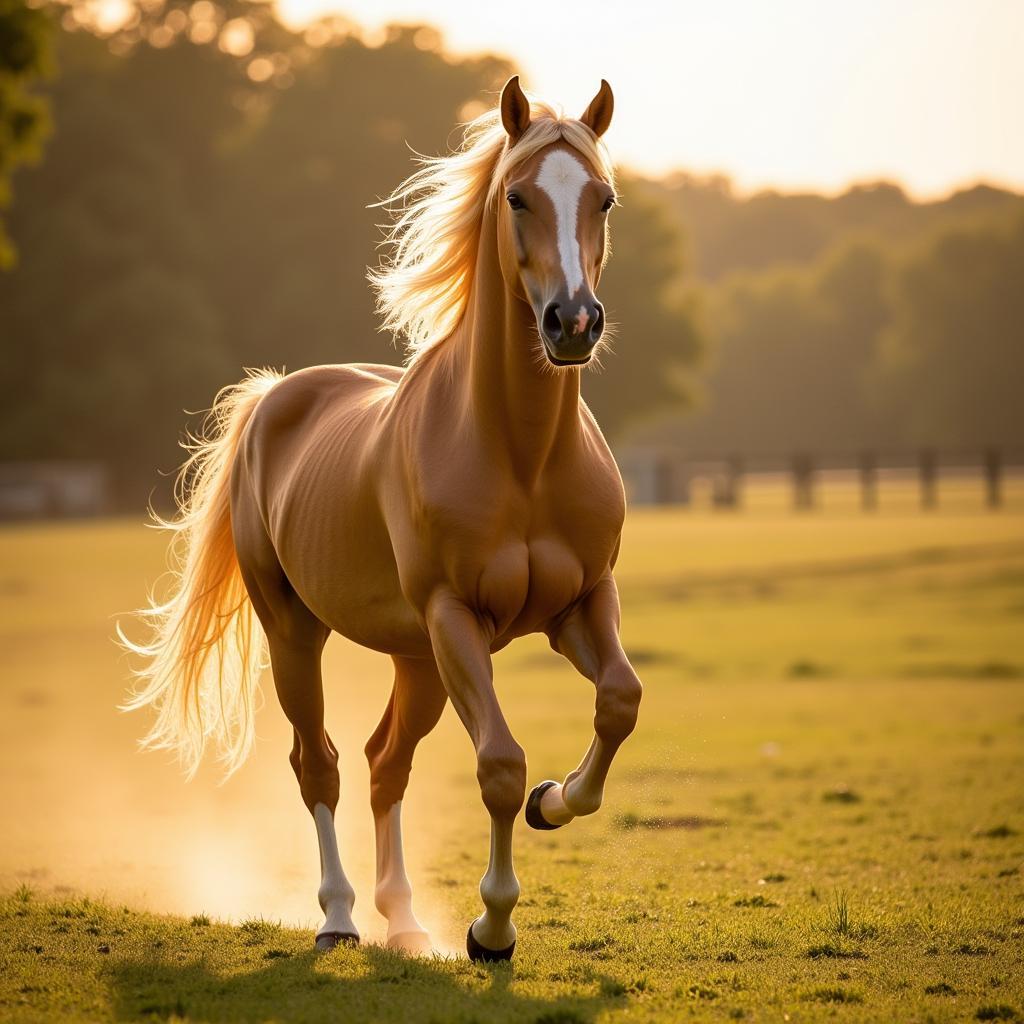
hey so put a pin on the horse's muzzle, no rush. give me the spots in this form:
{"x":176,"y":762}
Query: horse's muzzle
{"x":571,"y":329}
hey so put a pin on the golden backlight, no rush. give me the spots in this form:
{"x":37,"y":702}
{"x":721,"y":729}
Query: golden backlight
{"x":793,"y":94}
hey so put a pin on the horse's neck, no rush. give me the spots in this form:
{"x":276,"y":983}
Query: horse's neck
{"x":506,"y":385}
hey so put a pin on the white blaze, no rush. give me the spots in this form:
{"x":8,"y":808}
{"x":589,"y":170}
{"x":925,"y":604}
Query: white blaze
{"x":562,"y":177}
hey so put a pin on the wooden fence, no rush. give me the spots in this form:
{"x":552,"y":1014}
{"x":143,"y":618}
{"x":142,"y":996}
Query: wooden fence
{"x":53,"y":490}
{"x":662,"y":477}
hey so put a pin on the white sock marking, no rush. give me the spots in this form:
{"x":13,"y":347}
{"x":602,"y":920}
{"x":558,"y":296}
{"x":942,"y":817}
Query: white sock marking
{"x":393,"y":895}
{"x":562,"y":177}
{"x":336,"y":894}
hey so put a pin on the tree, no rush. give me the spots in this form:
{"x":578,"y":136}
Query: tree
{"x":730,"y":232}
{"x":205,"y":206}
{"x":794,"y":351}
{"x":300,"y":229}
{"x":656,"y":329}
{"x":953,"y":357}
{"x":24,"y":57}
{"x":109,"y":325}
{"x":176,"y":232}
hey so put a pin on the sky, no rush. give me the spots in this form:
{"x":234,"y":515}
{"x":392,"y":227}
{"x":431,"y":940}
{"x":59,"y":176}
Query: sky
{"x":775,"y":93}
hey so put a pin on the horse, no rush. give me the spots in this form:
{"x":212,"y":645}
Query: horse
{"x":433,"y":512}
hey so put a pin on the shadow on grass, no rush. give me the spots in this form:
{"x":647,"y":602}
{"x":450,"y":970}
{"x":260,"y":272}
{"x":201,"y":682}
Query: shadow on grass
{"x":365,"y":984}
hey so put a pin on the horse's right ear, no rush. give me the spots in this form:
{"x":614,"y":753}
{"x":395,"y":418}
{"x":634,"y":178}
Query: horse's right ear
{"x":515,"y":110}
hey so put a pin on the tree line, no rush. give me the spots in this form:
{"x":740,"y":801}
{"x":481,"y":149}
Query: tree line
{"x":866,"y":321}
{"x":204,"y":204}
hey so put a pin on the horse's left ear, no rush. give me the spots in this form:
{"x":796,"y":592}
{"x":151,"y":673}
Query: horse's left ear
{"x":598,"y":115}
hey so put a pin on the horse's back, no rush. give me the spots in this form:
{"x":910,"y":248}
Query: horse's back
{"x":310,"y":452}
{"x":312,"y":407}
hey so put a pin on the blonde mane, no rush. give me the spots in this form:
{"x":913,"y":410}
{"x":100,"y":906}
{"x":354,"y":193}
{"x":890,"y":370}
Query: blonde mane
{"x":424,"y":279}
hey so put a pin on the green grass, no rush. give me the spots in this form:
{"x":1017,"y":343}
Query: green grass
{"x":821,"y":815}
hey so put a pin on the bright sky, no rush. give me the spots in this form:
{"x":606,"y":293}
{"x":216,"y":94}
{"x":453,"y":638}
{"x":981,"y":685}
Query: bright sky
{"x":789,"y":93}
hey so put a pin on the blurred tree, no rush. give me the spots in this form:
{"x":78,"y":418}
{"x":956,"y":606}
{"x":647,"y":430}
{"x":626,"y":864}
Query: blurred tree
{"x":729,"y":232}
{"x":766,"y":328}
{"x":793,"y":358}
{"x":205,"y":205}
{"x":952,"y":360}
{"x":300,"y":228}
{"x":24,"y":57}
{"x":874,"y":342}
{"x":656,"y":327}
{"x":109,"y":326}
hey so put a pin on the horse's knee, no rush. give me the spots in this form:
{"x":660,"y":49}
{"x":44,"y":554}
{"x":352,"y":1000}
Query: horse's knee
{"x":502,"y":777}
{"x":618,"y":702}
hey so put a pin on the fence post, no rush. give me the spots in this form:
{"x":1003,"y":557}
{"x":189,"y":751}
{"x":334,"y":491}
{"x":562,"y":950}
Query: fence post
{"x":927,"y":469}
{"x":662,"y":481}
{"x":735,"y":481}
{"x":868,"y":481}
{"x":993,"y":477}
{"x":803,"y":482}
{"x":726,"y":493}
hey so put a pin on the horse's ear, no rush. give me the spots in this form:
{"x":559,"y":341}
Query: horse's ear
{"x":515,"y":109}
{"x":598,"y":115}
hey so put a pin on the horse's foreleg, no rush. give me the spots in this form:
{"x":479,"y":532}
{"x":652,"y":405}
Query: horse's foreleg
{"x":589,"y":638}
{"x":416,"y":703}
{"x":462,"y":649}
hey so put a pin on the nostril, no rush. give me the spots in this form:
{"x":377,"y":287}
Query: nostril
{"x":597,"y":327}
{"x":551,"y":323}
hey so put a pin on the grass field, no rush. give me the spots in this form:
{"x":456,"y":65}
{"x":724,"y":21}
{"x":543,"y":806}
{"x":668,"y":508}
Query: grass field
{"x":821,"y":815}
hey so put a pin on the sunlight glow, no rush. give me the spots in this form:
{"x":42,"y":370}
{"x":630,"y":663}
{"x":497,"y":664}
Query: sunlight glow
{"x":237,"y":37}
{"x":796,"y":94}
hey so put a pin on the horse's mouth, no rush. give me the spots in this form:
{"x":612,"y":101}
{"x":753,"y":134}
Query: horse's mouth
{"x":562,"y":361}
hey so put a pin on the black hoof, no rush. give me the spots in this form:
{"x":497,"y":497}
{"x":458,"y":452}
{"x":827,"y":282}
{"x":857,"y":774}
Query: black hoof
{"x":326,"y":941}
{"x":533,"y":816}
{"x":482,"y":953}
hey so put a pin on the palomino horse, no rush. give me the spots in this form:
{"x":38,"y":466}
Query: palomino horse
{"x":433,"y":513}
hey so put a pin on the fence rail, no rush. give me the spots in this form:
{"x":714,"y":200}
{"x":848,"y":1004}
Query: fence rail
{"x":660,"y":477}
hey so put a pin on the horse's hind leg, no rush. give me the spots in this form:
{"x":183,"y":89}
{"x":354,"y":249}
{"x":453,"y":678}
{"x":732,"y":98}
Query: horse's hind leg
{"x":296,"y":668}
{"x":416,"y":703}
{"x":296,"y":639}
{"x":589,"y":638}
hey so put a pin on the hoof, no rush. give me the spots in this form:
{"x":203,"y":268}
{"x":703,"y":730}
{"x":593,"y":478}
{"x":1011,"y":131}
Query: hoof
{"x":410,"y":942}
{"x":482,"y":953}
{"x":533,"y":816}
{"x":326,"y":941}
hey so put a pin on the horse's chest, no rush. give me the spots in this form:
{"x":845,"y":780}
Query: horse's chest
{"x":525,"y":584}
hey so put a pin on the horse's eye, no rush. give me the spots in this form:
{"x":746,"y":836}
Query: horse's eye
{"x":515,"y":201}
{"x":608,"y":204}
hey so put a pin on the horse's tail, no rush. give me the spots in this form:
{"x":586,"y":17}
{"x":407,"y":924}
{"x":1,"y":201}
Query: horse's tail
{"x":206,"y":648}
